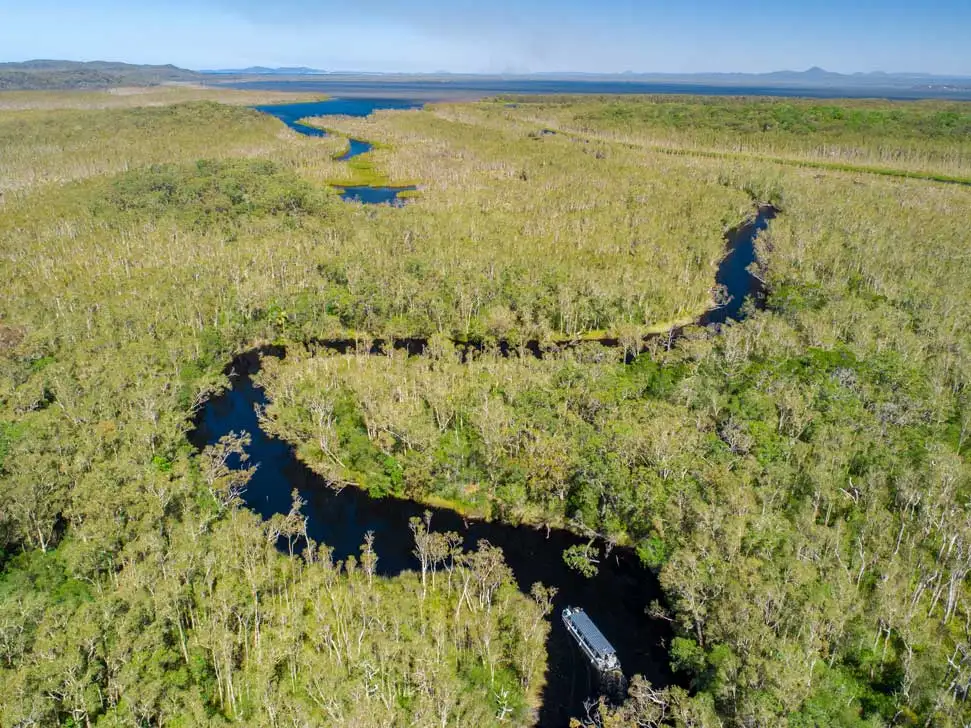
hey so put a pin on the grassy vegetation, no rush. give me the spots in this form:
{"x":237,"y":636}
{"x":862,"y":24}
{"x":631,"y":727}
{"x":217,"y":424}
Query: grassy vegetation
{"x":568,"y":266}
{"x":791,"y":479}
{"x":140,"y":96}
{"x":46,"y":138}
{"x":569,"y":261}
{"x":928,"y":139}
{"x":799,"y":481}
{"x":181,"y":610}
{"x":830,"y":166}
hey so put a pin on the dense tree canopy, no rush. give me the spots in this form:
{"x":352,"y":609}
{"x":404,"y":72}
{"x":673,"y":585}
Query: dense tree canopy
{"x":799,"y":481}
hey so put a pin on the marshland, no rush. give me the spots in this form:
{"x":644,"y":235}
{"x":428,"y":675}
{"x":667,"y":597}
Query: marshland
{"x":777,"y":503}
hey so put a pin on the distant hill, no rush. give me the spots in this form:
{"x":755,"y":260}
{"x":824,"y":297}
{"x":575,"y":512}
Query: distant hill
{"x":46,"y":74}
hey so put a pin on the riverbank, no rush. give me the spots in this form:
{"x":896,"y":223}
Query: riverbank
{"x":536,"y":550}
{"x":366,"y":184}
{"x":770,"y":475}
{"x":618,"y":595}
{"x":732,"y":274}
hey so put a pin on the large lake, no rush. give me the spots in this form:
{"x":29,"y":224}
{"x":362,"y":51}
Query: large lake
{"x":442,"y":88}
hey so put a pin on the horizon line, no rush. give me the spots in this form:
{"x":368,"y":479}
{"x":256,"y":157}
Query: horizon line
{"x":311,"y":70}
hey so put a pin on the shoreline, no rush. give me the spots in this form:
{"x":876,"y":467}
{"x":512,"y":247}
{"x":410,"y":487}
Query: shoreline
{"x":249,"y":362}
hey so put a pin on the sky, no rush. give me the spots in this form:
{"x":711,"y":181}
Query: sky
{"x":494,"y":36}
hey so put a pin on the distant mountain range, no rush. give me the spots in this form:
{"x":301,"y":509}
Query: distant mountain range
{"x":49,"y":74}
{"x":44,"y":74}
{"x":813,"y":78}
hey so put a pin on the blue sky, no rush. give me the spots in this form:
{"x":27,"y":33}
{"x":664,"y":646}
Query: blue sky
{"x":499,"y":35}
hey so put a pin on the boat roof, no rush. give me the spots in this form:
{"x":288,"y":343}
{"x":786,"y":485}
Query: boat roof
{"x":588,"y":630}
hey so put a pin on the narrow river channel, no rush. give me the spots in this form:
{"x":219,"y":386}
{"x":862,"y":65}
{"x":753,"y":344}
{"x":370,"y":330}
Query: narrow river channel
{"x":616,"y":598}
{"x":292,"y":114}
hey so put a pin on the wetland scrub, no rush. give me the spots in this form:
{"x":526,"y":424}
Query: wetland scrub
{"x":793,"y":485}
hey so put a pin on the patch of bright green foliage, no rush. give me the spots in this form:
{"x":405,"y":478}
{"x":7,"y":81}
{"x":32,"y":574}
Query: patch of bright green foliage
{"x":930,"y":120}
{"x":214,"y":192}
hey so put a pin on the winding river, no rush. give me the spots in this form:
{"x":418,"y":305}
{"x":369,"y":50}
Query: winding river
{"x":616,"y":598}
{"x":292,"y":114}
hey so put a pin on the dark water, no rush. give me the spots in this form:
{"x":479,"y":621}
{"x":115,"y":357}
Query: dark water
{"x":291,"y":114}
{"x":615,"y":598}
{"x":355,"y":149}
{"x":375,"y":195}
{"x":733,"y":270}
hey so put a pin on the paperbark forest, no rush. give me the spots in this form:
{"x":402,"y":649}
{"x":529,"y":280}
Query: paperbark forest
{"x":799,"y":481}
